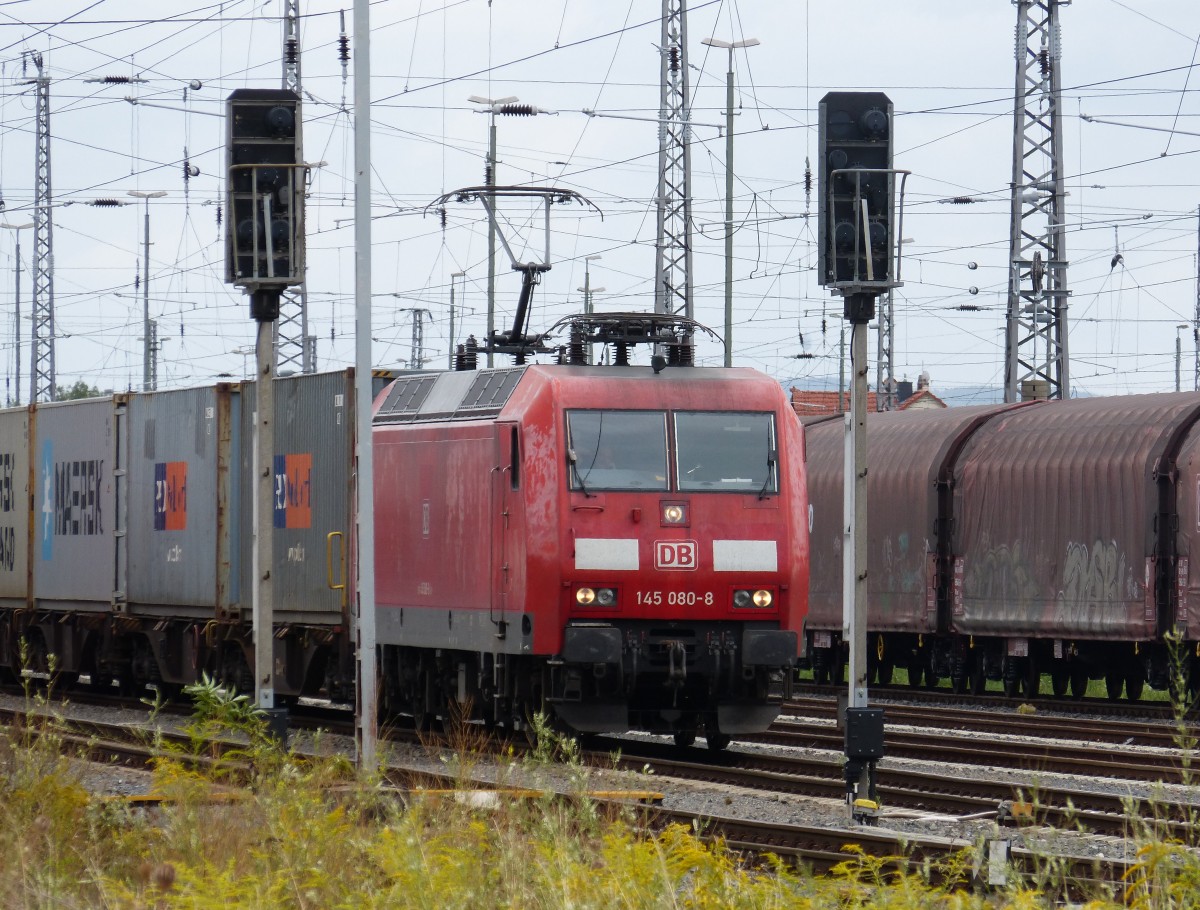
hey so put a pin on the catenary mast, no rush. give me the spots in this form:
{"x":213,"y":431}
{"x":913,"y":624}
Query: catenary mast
{"x":41,"y":371}
{"x":673,"y":268}
{"x":295,"y":348}
{"x":1036,"y":359}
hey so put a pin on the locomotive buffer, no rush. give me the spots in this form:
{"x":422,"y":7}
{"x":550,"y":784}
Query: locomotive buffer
{"x":858,"y":221}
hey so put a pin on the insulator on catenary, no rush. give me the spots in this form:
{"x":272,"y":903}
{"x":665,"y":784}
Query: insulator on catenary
{"x":104,"y":203}
{"x":576,"y":354}
{"x":1044,"y":60}
{"x":218,"y":216}
{"x":442,"y":216}
{"x":343,"y":41}
{"x":487,"y":174}
{"x":116,"y":80}
{"x":291,"y":49}
{"x":674,"y":60}
{"x":517,"y":110}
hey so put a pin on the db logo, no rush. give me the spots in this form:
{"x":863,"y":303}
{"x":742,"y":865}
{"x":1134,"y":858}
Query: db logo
{"x":674,"y":554}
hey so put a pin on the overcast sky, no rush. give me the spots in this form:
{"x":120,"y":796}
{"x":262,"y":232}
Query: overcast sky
{"x":947,"y":66}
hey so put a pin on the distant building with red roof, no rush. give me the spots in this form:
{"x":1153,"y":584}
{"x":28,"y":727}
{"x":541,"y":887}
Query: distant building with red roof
{"x":811,"y":404}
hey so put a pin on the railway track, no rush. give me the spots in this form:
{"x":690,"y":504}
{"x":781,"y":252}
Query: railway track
{"x":1063,"y":808}
{"x":1158,"y":732}
{"x":1108,"y":708}
{"x":1173,"y":767}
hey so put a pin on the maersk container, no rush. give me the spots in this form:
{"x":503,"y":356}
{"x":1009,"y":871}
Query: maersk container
{"x":313,"y":465}
{"x":908,"y":453}
{"x":1063,"y":516}
{"x":75,"y":451}
{"x":179,"y":531}
{"x":14,"y":507}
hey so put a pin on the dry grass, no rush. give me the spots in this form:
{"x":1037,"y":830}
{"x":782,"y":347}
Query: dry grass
{"x":290,"y":843}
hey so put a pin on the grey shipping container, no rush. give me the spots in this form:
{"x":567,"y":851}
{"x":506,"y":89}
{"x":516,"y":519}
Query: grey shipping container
{"x":74,"y":515}
{"x":14,"y":507}
{"x":314,"y":451}
{"x":1055,"y":528}
{"x":180,"y":532}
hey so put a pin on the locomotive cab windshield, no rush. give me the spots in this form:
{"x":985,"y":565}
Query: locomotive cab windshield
{"x":712,"y":451}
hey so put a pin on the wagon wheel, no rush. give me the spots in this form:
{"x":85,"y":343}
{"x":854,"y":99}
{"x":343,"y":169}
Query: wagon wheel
{"x":1112,"y":683}
{"x":960,"y":677}
{"x":1060,"y":680}
{"x":1031,"y":682}
{"x":1135,"y":681}
{"x":886,"y":669}
{"x":101,"y":682}
{"x":1079,"y":682}
{"x":820,"y":673}
{"x":978,"y":675}
{"x":685,"y":738}
{"x":717,"y":742}
{"x":916,"y":673}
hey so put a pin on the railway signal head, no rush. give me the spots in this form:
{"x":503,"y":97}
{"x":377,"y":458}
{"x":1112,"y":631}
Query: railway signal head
{"x":856,"y":191}
{"x":264,"y":230}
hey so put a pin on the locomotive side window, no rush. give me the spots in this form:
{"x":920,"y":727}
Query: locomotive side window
{"x":725,"y":451}
{"x":617,"y":450}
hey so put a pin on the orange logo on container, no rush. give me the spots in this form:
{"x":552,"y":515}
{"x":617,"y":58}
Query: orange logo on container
{"x":170,"y":496}
{"x":293,"y":491}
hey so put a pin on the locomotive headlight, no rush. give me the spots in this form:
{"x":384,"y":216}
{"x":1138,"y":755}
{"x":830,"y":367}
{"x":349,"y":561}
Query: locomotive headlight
{"x":674,"y":513}
{"x":759,"y":598}
{"x":585,"y":596}
{"x":606,"y":597}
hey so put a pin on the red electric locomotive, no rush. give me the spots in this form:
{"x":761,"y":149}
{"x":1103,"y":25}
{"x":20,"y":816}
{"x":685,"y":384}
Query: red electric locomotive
{"x":624,"y":547}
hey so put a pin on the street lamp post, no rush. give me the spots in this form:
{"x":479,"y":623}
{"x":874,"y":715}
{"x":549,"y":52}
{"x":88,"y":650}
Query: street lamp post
{"x":588,"y":290}
{"x":454,"y":276}
{"x":149,"y":379}
{"x":16,"y":229}
{"x":587,"y":283}
{"x":730,"y":46}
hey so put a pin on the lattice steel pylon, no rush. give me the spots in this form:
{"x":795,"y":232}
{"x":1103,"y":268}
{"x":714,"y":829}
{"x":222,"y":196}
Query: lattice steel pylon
{"x":294,"y":348}
{"x":41,"y":362}
{"x":1036,"y":357}
{"x":885,"y":378}
{"x":673,"y":242}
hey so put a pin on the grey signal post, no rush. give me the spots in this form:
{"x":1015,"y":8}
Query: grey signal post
{"x":264,"y":253}
{"x":856,"y":259}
